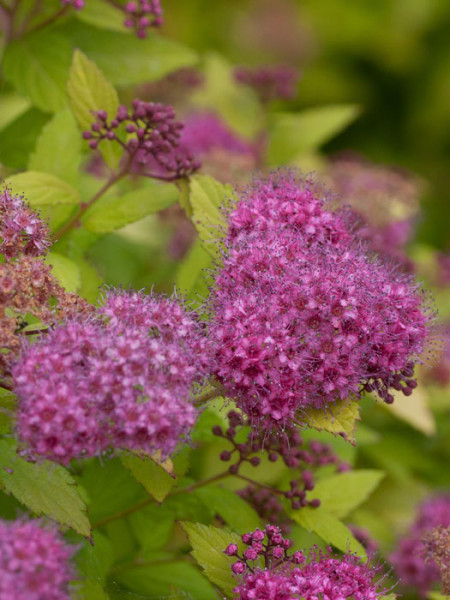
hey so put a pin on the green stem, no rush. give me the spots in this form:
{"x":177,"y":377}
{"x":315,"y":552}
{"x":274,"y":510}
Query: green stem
{"x":143,"y":503}
{"x":83,"y":207}
{"x":260,"y":485}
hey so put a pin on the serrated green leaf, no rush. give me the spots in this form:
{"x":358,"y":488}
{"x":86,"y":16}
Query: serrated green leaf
{"x":329,"y":528}
{"x":109,"y":214}
{"x":155,"y":479}
{"x":58,"y":148}
{"x":90,"y":91}
{"x":41,"y":189}
{"x":208,"y":198}
{"x":19,"y":137}
{"x":339,"y":418}
{"x":138,"y":60}
{"x":295,"y":134}
{"x":208,"y":545}
{"x":342,"y":493}
{"x":45,"y":488}
{"x":65,"y":270}
{"x":37,"y":65}
{"x":235,"y":511}
{"x":156,"y":580}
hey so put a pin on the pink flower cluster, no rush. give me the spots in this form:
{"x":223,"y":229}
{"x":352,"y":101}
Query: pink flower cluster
{"x":297,"y":577}
{"x":205,"y":131}
{"x":301,"y":316}
{"x":21,"y":229}
{"x":408,"y":559}
{"x":123,"y":381}
{"x":153,"y":139}
{"x":34,"y":562}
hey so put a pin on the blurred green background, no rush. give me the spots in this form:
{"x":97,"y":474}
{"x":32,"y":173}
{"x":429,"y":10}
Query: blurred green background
{"x":392,"y":57}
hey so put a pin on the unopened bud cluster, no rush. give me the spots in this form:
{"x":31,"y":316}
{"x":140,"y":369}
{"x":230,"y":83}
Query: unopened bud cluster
{"x":143,"y":14}
{"x":152,"y":139}
{"x":287,"y":445}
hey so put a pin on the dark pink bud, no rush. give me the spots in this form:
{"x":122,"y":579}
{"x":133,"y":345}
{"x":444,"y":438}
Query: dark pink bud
{"x":231,"y":550}
{"x":238,"y":568}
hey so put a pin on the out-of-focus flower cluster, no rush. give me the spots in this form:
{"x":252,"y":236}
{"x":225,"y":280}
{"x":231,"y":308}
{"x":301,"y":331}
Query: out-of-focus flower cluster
{"x":270,"y":83}
{"x":34,"y":562}
{"x":287,"y":445}
{"x":122,"y":381}
{"x":385,"y":200}
{"x":296,"y":576}
{"x":414,"y":564}
{"x":301,"y":315}
{"x":153,"y":137}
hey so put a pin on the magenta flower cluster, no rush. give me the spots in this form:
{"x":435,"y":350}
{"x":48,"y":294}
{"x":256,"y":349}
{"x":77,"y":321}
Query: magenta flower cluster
{"x":34,"y":562}
{"x":205,"y":132}
{"x":121,"y":382}
{"x":296,"y":576}
{"x":153,"y":139}
{"x":408,"y":559}
{"x":22,"y":231}
{"x":270,"y":83}
{"x":301,"y":315}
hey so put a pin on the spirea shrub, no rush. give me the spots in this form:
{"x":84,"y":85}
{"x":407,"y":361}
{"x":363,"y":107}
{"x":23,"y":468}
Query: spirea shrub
{"x":34,"y":562}
{"x":302,"y":315}
{"x":122,"y":382}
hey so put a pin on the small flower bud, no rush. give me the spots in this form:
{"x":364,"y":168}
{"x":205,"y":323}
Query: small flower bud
{"x":231,"y":550}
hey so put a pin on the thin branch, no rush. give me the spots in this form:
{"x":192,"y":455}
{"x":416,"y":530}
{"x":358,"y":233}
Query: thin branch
{"x":143,"y":503}
{"x":115,"y":177}
{"x":260,"y":485}
{"x":49,"y":20}
{"x":5,"y":386}
{"x":216,"y":392}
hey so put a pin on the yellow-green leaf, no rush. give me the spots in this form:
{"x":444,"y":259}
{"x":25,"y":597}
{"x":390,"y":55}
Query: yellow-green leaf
{"x":152,"y":475}
{"x":329,"y":528}
{"x":109,"y":214}
{"x":343,"y":492}
{"x":90,"y":91}
{"x":414,"y":410}
{"x":44,"y":488}
{"x":40,"y":189}
{"x":339,"y":418}
{"x":65,"y":270}
{"x":295,"y":134}
{"x":208,"y":544}
{"x":208,"y":198}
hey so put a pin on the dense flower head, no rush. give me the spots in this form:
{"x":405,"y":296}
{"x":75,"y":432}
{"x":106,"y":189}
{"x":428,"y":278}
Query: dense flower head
{"x":301,"y":317}
{"x":270,"y":82}
{"x":153,"y":139}
{"x":22,"y":231}
{"x":143,"y":14}
{"x":34,"y":562}
{"x":293,"y":576}
{"x":409,"y":558}
{"x":122,"y":380}
{"x":287,"y":202}
{"x":29,"y":291}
